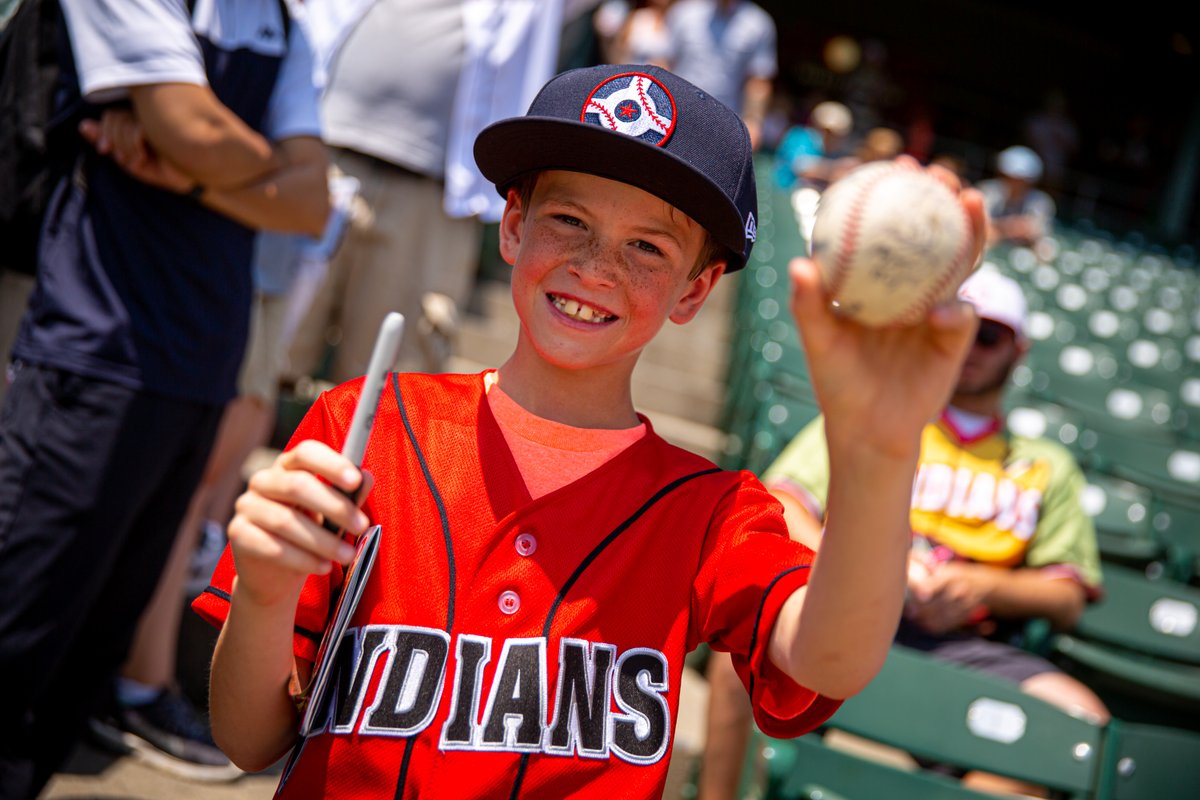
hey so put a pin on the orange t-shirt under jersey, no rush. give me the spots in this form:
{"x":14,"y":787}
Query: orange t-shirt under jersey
{"x":538,"y":445}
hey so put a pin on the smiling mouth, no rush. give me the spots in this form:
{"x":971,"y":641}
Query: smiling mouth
{"x":580,"y":311}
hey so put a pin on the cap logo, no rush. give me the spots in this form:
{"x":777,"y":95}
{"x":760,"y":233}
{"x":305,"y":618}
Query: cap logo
{"x":634,"y":104}
{"x":751,"y":227}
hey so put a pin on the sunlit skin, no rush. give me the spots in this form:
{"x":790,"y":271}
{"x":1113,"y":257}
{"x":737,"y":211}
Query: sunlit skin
{"x":590,"y":247}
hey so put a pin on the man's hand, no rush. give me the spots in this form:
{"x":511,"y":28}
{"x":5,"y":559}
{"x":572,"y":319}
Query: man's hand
{"x":119,"y":135}
{"x":949,"y":596}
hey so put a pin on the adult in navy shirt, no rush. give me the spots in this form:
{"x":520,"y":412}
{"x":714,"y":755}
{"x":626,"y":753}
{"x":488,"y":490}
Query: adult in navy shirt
{"x":201,"y":126}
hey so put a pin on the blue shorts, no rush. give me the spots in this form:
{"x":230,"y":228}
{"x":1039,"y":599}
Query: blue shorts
{"x":975,"y":652}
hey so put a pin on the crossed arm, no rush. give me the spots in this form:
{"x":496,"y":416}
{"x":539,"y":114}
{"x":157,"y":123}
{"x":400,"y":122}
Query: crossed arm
{"x":179,"y":136}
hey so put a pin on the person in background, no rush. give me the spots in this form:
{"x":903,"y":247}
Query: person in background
{"x":1018,"y":211}
{"x":727,"y":48}
{"x":880,"y":144}
{"x":643,"y":37}
{"x":999,"y":537}
{"x":807,"y":155}
{"x":410,"y":85}
{"x":201,"y":127}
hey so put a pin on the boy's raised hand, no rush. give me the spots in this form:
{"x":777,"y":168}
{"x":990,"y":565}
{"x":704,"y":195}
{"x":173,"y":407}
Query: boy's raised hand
{"x":277,"y":536}
{"x":878,"y":387}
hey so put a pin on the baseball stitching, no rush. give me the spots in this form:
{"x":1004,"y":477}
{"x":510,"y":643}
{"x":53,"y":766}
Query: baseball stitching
{"x":959,"y":266}
{"x":662,"y":128}
{"x":602,"y":111}
{"x":850,"y":235}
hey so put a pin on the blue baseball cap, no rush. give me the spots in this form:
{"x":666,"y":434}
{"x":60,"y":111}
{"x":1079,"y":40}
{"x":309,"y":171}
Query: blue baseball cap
{"x":640,"y":125}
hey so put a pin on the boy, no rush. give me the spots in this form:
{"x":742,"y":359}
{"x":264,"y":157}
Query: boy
{"x":562,"y":558}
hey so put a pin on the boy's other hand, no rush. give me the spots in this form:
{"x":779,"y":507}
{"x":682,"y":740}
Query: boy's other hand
{"x":878,"y":387}
{"x":277,"y":534}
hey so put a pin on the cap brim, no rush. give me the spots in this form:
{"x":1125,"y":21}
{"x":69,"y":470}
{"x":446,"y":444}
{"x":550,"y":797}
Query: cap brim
{"x":509,"y":149}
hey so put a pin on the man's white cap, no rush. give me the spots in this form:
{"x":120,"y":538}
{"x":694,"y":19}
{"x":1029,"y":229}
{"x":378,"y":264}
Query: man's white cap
{"x":832,"y":116}
{"x":996,"y":297}
{"x":1019,"y":162}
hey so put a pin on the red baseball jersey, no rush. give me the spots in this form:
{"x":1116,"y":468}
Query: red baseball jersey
{"x":510,"y":647}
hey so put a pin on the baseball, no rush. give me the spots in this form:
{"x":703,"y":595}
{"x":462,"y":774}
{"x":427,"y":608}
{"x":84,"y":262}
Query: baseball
{"x":891,"y":242}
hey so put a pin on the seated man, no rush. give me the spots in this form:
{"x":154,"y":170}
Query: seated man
{"x":1018,"y":211}
{"x":998,"y":537}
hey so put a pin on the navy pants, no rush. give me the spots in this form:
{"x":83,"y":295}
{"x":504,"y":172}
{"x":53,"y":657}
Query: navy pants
{"x":94,"y":481}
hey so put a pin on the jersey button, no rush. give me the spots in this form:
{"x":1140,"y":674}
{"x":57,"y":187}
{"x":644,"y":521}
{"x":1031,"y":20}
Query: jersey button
{"x":526,"y":544}
{"x":509,"y":602}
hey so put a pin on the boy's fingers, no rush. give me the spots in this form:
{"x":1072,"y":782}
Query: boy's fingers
{"x":810,"y":304}
{"x":252,"y":541}
{"x":947,"y":177}
{"x":303,"y":490}
{"x":972,"y":201}
{"x":321,"y":459}
{"x":955,"y":322}
{"x":292,"y":526}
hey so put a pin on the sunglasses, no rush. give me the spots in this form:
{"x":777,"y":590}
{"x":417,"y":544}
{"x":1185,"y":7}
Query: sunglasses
{"x":992,"y":334}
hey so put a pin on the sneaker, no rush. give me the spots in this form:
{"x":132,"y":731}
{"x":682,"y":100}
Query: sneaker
{"x":166,"y":733}
{"x":205,"y":557}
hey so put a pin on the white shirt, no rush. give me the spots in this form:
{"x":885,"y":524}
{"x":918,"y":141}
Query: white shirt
{"x":123,"y":43}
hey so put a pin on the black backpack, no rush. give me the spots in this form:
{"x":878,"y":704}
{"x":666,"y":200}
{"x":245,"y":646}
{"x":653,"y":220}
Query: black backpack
{"x":38,"y":119}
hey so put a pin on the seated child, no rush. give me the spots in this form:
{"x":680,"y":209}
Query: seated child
{"x":547,"y":559}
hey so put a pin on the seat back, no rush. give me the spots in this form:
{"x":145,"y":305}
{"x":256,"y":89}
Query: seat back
{"x":1150,"y":762}
{"x":950,"y":714}
{"x":1158,"y":618}
{"x":808,"y":769}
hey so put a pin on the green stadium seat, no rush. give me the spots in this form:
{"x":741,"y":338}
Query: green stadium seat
{"x":1138,"y":411}
{"x":808,"y":769}
{"x":1106,"y":325}
{"x":1035,"y":418}
{"x":1157,"y":362}
{"x":1162,"y":322}
{"x":1177,"y":527}
{"x":1150,"y":762}
{"x":949,"y":715}
{"x":1140,"y":640}
{"x":1122,"y":514}
{"x":1170,"y":469}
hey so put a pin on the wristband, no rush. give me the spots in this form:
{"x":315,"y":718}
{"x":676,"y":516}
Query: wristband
{"x":196,"y":191}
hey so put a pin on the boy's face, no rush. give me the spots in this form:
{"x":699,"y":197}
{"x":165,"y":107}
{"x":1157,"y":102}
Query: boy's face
{"x":598,"y":267}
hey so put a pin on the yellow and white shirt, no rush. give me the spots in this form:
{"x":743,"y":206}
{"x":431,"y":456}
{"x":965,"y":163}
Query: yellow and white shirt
{"x":986,"y":496}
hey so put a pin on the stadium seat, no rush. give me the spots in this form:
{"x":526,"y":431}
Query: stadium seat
{"x":1150,"y":762}
{"x":1106,"y":325}
{"x":1140,"y":640}
{"x":1035,"y":418}
{"x":1170,"y":469}
{"x":1156,"y":361}
{"x":808,"y":769}
{"x":1138,"y":411}
{"x":946,"y":714}
{"x":1177,"y":527}
{"x":1121,"y":512}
